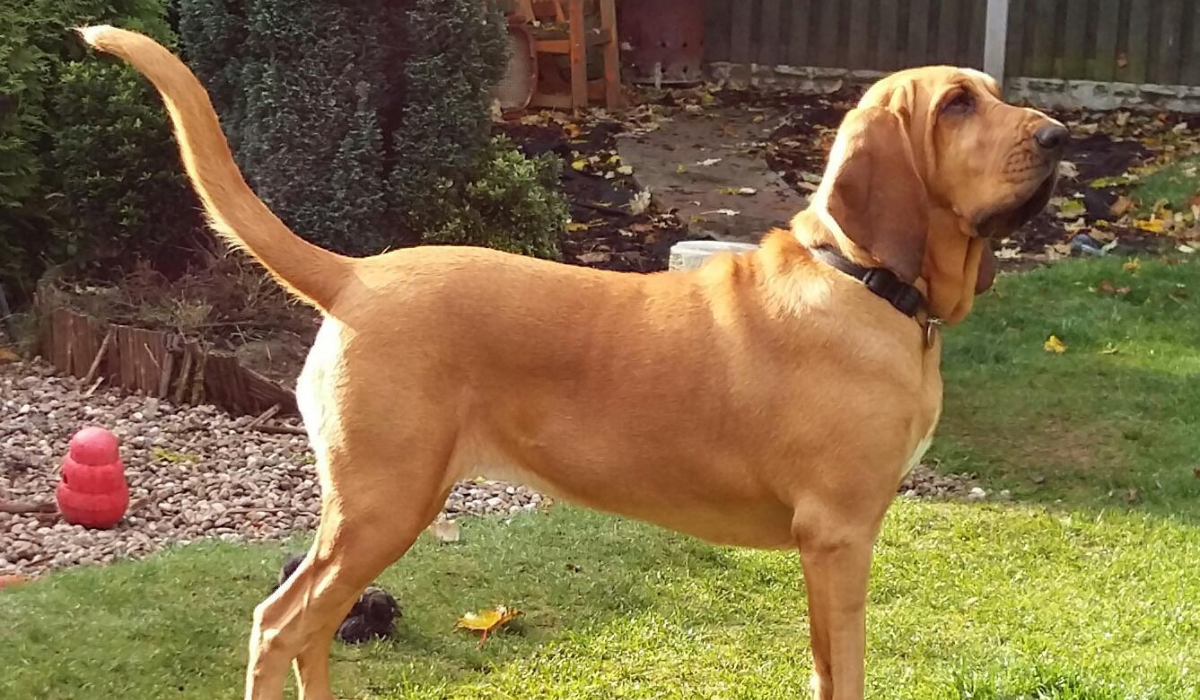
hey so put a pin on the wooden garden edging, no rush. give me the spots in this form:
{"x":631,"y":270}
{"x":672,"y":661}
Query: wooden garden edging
{"x":161,"y":364}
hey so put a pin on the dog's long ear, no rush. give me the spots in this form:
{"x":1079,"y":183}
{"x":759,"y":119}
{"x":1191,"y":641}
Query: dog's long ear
{"x":872,"y":190}
{"x":987,"y":269}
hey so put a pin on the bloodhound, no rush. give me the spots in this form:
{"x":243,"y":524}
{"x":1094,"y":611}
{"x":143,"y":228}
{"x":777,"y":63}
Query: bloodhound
{"x":772,"y":399}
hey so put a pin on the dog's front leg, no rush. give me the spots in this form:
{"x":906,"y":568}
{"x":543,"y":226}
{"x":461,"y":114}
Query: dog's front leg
{"x":837,"y":563}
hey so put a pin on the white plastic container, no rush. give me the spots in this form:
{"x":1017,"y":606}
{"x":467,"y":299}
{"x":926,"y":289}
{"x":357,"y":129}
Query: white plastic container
{"x":687,"y":255}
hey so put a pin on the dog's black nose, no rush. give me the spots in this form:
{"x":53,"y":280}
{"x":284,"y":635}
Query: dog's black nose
{"x":1052,"y":137}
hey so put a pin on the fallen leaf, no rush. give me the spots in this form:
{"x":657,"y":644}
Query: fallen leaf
{"x":1185,"y":248}
{"x":1107,"y":287}
{"x":1067,"y":169}
{"x":593,"y":257}
{"x":708,"y":162}
{"x":488,"y":621}
{"x":743,"y":191}
{"x":572,"y":130}
{"x":625,"y":170}
{"x":1150,"y":225}
{"x":640,"y":203}
{"x":1121,"y":206}
{"x":1054,"y":345}
{"x":1109,"y":349}
{"x":1133,"y":496}
{"x":681,"y":168}
{"x":1196,"y":471}
{"x":445,"y":531}
{"x":7,"y":355}
{"x":1071,"y":209}
{"x":758,"y":119}
{"x":1132,"y":265}
{"x":579,"y":164}
{"x":575,"y":226}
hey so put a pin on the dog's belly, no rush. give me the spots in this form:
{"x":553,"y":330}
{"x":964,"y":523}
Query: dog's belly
{"x":763,"y":524}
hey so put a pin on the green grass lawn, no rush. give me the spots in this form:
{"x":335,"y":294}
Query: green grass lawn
{"x":1069,"y":593}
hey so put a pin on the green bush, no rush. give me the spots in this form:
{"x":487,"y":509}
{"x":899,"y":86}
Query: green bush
{"x":89,"y":174}
{"x":365,"y":124}
{"x":512,"y":204}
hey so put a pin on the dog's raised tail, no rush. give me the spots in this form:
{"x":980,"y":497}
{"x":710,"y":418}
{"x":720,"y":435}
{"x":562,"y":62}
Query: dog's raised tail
{"x":311,"y":273}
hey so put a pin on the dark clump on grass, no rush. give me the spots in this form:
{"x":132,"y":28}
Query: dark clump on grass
{"x":373,"y":616}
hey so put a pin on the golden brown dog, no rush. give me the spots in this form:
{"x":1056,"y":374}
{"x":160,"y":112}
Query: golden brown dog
{"x":770,"y":399}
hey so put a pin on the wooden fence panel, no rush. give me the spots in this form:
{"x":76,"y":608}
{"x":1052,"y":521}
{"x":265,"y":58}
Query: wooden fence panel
{"x":1136,"y":41}
{"x":1170,"y":40}
{"x":889,"y":35}
{"x":1137,"y":52}
{"x":1191,"y":57}
{"x":918,"y":33}
{"x":1108,"y":27}
{"x":827,"y":39}
{"x":741,"y":27}
{"x":798,"y":38}
{"x":859,"y":49}
{"x":769,"y":33}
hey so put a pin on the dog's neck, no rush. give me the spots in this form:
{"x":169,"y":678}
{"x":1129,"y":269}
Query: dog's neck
{"x":826,"y":242}
{"x":950,"y":269}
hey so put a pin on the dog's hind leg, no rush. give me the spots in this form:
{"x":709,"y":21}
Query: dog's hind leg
{"x":365,"y":527}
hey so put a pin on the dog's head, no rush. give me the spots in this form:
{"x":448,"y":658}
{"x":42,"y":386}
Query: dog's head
{"x":929,"y":167}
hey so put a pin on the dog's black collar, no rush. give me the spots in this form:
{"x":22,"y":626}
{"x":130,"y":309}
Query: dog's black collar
{"x":881,"y":281}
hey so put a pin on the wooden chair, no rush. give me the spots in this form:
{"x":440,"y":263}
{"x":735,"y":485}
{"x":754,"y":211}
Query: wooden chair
{"x":562,"y":31}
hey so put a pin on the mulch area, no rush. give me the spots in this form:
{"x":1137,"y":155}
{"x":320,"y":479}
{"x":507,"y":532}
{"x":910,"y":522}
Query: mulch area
{"x":605,"y":232}
{"x":1109,"y":151}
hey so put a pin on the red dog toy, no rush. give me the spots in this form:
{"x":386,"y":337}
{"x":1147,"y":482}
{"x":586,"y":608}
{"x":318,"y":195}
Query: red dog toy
{"x":92,"y":490}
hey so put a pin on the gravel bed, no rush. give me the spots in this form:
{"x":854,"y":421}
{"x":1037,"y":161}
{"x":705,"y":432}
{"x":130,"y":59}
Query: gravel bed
{"x":195,"y":472}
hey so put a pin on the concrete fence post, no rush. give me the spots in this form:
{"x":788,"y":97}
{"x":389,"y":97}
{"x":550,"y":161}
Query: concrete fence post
{"x":995,"y":39}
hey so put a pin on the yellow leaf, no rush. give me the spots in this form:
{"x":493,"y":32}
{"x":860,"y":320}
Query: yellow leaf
{"x":1054,"y":345}
{"x":1132,"y":265}
{"x":1071,"y":209}
{"x":1151,"y":225}
{"x":572,"y":130}
{"x":681,"y":168}
{"x":488,"y":621}
{"x":7,"y":355}
{"x":579,"y":164}
{"x":758,"y":119}
{"x":574,"y":226}
{"x":625,"y":170}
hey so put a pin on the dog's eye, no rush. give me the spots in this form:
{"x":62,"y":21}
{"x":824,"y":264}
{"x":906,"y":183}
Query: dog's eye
{"x":962,"y":103}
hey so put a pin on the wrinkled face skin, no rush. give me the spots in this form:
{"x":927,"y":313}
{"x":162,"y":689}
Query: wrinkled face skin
{"x":987,"y":167}
{"x":992,"y":164}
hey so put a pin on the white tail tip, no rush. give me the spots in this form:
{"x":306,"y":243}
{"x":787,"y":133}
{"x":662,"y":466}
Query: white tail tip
{"x":92,"y":34}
